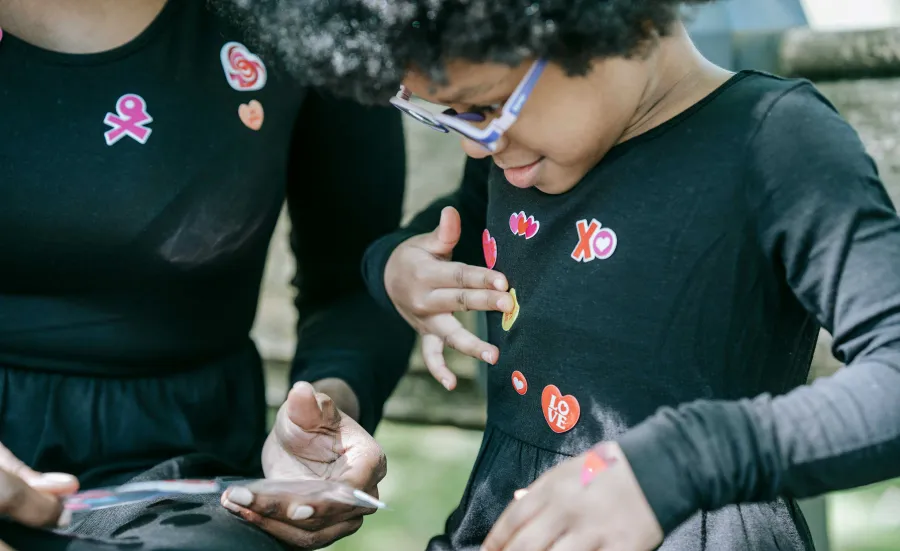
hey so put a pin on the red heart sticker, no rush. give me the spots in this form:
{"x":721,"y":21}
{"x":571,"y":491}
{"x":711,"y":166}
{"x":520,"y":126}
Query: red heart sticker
{"x":561,"y":412}
{"x":489,"y":245}
{"x":519,"y":383}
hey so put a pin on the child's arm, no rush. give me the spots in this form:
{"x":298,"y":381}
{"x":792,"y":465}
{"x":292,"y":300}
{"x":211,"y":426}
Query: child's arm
{"x":825,"y":220}
{"x":411,"y":271}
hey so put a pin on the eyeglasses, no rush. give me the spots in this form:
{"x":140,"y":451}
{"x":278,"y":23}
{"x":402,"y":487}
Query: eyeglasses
{"x":490,"y":134}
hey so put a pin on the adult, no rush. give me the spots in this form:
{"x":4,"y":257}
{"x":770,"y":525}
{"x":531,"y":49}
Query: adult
{"x":148,"y":149}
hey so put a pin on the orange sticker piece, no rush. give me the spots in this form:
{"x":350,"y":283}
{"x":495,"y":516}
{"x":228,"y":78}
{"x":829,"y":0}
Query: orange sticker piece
{"x":519,"y":383}
{"x":252,"y":114}
{"x":561,"y":412}
{"x":509,"y":318}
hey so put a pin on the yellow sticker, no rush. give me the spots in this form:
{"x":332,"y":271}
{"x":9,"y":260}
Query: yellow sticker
{"x":510,"y":318}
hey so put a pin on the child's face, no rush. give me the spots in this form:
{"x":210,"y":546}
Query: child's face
{"x":566,"y":125}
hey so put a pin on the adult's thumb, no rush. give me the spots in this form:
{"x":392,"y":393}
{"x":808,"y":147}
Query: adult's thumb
{"x":54,"y":483}
{"x":444,"y":237}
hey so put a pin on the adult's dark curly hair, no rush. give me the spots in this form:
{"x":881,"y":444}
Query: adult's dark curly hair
{"x":362,"y":48}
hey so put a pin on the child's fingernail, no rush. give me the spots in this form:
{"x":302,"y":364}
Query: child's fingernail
{"x":299,"y":512}
{"x":486,"y":356}
{"x":241,"y":496}
{"x":498,"y":284}
{"x":446,"y":383}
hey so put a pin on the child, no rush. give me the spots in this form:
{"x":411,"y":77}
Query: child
{"x":671,"y":236}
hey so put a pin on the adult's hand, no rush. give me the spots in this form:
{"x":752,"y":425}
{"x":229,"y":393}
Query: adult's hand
{"x":312,"y":440}
{"x":426,"y":288}
{"x":29,"y":497}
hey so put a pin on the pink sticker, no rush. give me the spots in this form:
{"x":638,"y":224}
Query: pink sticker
{"x":130,"y":119}
{"x":594,"y":242}
{"x":245,"y":71}
{"x":521,"y":225}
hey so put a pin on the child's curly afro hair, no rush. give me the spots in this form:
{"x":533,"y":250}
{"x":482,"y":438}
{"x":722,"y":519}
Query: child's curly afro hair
{"x":362,"y":48}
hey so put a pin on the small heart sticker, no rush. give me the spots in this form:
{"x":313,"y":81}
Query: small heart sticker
{"x":509,"y":318}
{"x":519,"y":383}
{"x":252,"y":114}
{"x":561,"y":412}
{"x":489,"y":245}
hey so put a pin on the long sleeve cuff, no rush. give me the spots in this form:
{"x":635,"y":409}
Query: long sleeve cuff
{"x":374,"y":262}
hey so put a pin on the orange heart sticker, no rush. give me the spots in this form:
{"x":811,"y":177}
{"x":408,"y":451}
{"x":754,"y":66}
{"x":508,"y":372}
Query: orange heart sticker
{"x":252,"y":114}
{"x":509,"y":318}
{"x":561,"y":412}
{"x":519,"y":383}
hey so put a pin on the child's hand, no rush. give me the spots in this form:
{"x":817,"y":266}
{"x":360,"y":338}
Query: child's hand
{"x":426,"y":288}
{"x":560,"y":513}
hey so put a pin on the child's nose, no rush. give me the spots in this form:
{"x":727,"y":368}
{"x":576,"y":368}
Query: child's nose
{"x":478,"y":151}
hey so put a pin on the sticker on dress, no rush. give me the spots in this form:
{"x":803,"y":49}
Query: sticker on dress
{"x":244,"y":71}
{"x":1,"y":34}
{"x":594,"y":241}
{"x":520,"y":384}
{"x":509,"y":318}
{"x":489,"y":246}
{"x":252,"y":114}
{"x":561,"y":412}
{"x":130,"y":119}
{"x":523,"y":226}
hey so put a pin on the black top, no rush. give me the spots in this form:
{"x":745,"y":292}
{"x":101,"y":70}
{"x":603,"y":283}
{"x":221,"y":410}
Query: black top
{"x":694,"y":265}
{"x":139,"y":188}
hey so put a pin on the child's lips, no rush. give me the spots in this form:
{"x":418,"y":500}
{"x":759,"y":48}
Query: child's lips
{"x":523,"y":176}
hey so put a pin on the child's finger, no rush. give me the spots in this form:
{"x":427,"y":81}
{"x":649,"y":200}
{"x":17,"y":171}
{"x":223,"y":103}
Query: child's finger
{"x":459,"y":338}
{"x":466,"y":276}
{"x":464,"y":300}
{"x":433,"y":354}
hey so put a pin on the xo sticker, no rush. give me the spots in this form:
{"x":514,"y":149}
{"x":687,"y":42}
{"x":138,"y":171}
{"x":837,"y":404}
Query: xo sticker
{"x":244,"y":71}
{"x":560,"y":412}
{"x":510,"y":318}
{"x":594,"y":242}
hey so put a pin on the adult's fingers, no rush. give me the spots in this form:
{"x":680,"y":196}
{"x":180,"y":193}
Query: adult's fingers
{"x":291,"y":532}
{"x":25,"y":505}
{"x":53,"y":483}
{"x":433,"y":354}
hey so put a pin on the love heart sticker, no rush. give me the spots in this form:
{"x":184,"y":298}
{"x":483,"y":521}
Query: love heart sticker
{"x":523,"y":226}
{"x":560,"y":412}
{"x":519,"y":383}
{"x":509,"y":318}
{"x":252,"y":114}
{"x":489,"y":245}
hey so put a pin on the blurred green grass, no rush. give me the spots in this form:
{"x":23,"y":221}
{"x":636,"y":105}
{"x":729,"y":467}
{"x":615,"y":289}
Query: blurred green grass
{"x":428,"y":468}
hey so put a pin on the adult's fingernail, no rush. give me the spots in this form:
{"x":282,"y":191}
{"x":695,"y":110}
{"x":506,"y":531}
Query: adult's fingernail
{"x":241,"y":496}
{"x":519,"y":494}
{"x":230,"y":506}
{"x":65,"y":518}
{"x":52,"y":480}
{"x":299,"y":512}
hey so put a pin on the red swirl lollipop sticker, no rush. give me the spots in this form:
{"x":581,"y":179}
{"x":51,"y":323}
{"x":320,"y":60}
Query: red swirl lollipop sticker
{"x":244,"y":71}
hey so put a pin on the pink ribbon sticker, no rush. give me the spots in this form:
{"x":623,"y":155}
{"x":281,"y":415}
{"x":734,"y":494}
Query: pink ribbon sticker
{"x":130,"y":119}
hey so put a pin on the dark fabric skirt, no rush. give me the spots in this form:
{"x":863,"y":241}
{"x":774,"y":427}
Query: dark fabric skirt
{"x":205,"y":423}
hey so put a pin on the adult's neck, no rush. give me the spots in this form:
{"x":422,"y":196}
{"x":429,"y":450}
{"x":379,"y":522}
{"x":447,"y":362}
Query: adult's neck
{"x":78,"y":26}
{"x":681,"y":77}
